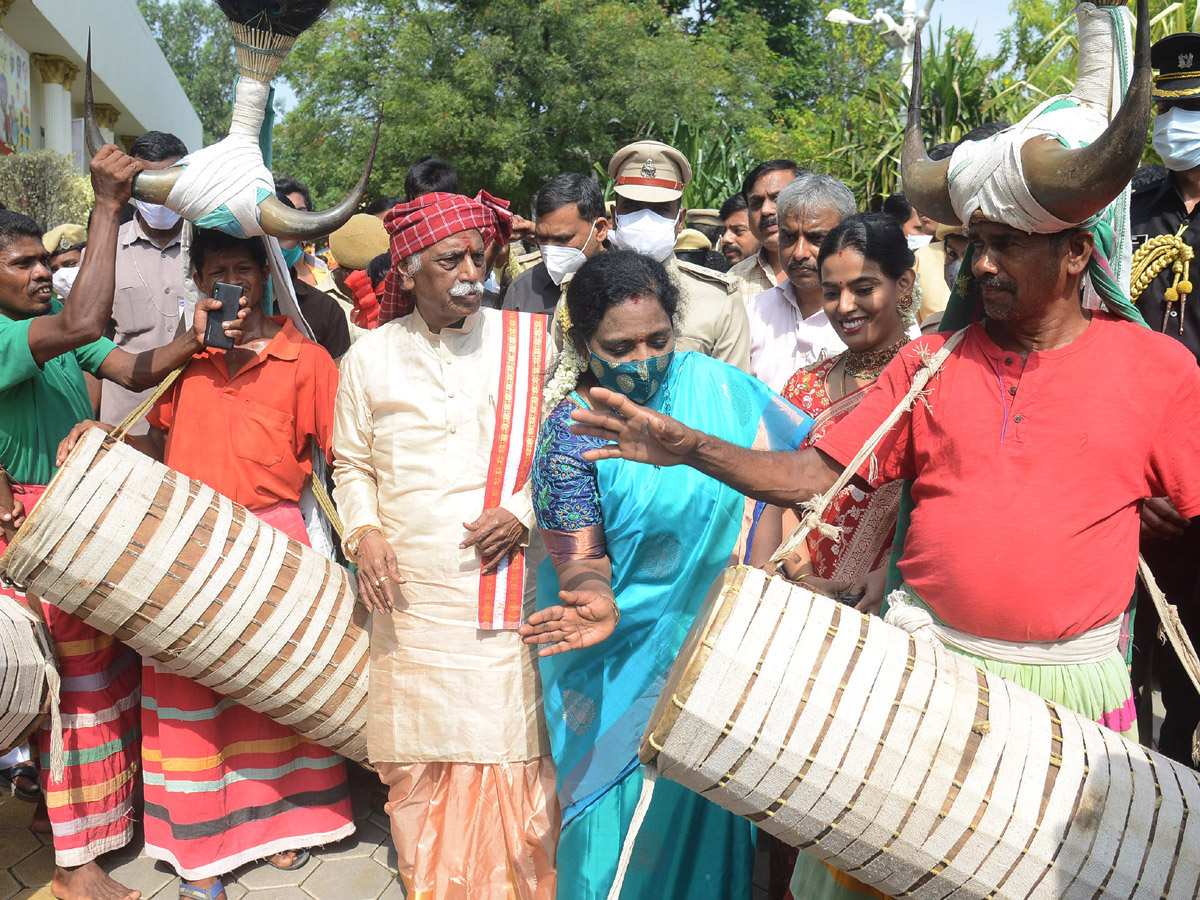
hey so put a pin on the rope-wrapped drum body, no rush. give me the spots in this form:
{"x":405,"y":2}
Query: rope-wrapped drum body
{"x":185,"y":576}
{"x":25,"y":652}
{"x":899,"y":762}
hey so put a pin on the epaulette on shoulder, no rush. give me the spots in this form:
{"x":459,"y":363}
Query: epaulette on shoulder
{"x":723,"y":280}
{"x":527,"y":260}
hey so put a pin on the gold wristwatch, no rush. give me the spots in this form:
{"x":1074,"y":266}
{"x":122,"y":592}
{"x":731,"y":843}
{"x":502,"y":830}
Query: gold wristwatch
{"x":350,"y":544}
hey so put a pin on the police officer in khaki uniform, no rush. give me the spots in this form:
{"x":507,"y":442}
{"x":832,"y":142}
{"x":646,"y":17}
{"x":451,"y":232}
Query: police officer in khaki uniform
{"x":648,"y":179}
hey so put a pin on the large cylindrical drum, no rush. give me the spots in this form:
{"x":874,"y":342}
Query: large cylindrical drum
{"x":899,"y":762}
{"x":189,"y":578}
{"x":25,"y":652}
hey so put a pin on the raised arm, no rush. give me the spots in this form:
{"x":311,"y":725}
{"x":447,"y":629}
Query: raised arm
{"x":142,"y":371}
{"x":82,"y":320}
{"x":787,"y":478}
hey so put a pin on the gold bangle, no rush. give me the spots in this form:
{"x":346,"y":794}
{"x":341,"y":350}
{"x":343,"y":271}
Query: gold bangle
{"x":799,"y":578}
{"x":616,"y":611}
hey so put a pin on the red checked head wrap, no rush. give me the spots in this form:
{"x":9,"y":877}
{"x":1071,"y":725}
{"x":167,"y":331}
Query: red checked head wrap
{"x":416,"y":226}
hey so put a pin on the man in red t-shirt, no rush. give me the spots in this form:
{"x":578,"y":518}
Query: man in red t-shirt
{"x":1033,"y":450}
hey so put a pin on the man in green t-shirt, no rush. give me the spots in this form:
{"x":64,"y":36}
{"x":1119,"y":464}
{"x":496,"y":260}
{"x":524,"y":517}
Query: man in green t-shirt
{"x":45,"y":347}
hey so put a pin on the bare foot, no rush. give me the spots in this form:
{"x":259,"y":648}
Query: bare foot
{"x":88,"y":882}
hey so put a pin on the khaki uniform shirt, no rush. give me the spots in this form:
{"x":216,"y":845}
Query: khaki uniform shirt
{"x":713,"y":319}
{"x":146,"y":309}
{"x":412,"y":441}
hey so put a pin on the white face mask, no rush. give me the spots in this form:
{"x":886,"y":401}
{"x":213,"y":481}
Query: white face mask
{"x":917,"y":241}
{"x":563,"y":261}
{"x":156,"y":216}
{"x":1177,"y":138}
{"x":64,"y":279}
{"x":645,"y":231}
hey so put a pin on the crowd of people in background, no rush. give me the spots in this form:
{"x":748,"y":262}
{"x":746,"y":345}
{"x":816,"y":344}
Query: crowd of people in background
{"x":702,"y":373}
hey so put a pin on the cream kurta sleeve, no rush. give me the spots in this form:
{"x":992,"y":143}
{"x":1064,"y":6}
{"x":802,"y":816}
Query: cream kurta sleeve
{"x":520,"y":505}
{"x":355,"y":491}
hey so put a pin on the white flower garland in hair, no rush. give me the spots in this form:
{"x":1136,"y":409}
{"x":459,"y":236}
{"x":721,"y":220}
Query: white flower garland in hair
{"x":567,"y":368}
{"x":908,"y":312}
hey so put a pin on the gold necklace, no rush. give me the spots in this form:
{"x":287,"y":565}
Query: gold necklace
{"x":869,"y":363}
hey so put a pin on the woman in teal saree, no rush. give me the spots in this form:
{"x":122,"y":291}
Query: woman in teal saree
{"x":633,"y":551}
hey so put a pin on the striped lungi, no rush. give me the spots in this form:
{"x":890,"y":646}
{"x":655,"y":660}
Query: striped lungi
{"x":91,"y":806}
{"x":226,"y":785}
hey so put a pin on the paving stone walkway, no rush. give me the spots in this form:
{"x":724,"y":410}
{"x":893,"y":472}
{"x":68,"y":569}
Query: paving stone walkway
{"x":361,"y":867}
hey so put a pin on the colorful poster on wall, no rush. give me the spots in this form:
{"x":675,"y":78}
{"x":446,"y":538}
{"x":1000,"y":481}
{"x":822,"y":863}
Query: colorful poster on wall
{"x":16,"y":123}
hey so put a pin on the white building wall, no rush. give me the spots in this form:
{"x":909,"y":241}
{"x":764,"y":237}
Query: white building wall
{"x":129,"y":70}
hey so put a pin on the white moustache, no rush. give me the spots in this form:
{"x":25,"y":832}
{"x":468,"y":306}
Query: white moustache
{"x":466,"y":288}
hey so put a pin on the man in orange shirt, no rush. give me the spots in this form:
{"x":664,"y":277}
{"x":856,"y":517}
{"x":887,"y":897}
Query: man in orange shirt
{"x":244,"y":422}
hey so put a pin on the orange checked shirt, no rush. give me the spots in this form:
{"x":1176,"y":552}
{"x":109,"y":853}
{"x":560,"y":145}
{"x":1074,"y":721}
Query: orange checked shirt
{"x":249,"y":437}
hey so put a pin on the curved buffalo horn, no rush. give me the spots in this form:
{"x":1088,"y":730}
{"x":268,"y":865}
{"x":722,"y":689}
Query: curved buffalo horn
{"x":151,"y":186}
{"x":925,"y":183}
{"x":281,"y":221}
{"x":91,"y":131}
{"x":1075,"y":185}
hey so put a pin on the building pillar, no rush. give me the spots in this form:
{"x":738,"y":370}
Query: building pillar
{"x":57,"y":74}
{"x":106,"y":117}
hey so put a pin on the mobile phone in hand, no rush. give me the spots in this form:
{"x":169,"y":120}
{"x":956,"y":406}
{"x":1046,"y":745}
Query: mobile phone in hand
{"x":229,"y":296}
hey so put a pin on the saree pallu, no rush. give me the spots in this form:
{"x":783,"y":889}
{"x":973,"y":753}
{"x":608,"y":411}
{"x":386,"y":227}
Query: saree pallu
{"x":226,"y":785}
{"x":867,"y":518}
{"x":669,"y":532}
{"x":91,"y":806}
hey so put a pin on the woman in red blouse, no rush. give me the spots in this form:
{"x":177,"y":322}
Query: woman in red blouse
{"x":868,"y":282}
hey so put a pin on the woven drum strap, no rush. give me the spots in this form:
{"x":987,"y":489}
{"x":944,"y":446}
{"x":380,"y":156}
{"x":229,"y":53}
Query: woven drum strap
{"x":135,"y":414}
{"x":1171,"y":629}
{"x":815,"y":508}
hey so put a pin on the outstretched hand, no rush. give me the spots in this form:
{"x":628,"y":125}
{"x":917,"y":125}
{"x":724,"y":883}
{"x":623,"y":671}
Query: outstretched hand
{"x":585,"y":619}
{"x":635,"y":432}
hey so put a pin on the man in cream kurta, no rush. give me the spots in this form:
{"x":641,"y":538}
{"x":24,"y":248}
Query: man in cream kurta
{"x":455,"y":723}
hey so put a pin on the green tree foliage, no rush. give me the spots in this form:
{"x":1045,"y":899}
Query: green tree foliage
{"x":510,"y":91}
{"x":791,"y":29}
{"x":194,"y":37}
{"x":45,"y":186}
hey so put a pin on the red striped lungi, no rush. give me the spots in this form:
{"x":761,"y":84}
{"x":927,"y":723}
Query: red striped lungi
{"x":91,"y":807}
{"x":226,"y":785}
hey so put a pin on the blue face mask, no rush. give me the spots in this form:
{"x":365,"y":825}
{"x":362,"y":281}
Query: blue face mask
{"x":639,"y":381}
{"x":292,"y":256}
